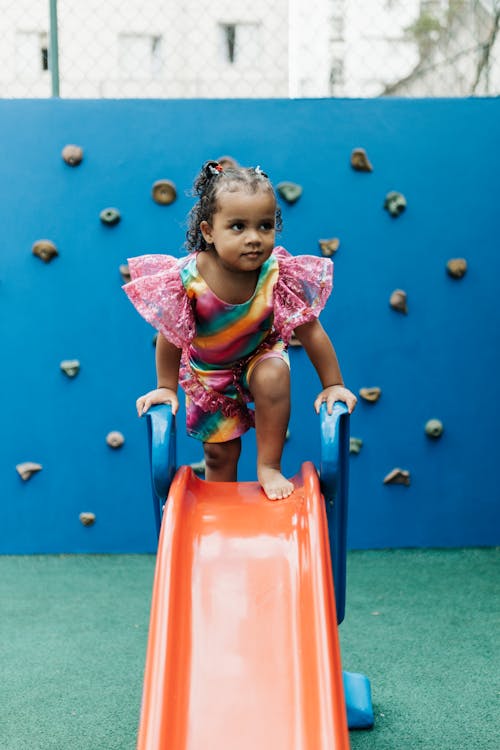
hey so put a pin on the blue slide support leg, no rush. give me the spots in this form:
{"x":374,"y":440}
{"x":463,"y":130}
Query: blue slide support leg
{"x":334,"y":476}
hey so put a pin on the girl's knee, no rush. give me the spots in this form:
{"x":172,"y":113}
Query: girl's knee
{"x":271,"y":379}
{"x":218,"y":455}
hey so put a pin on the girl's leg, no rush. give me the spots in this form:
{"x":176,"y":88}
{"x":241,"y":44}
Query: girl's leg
{"x":221,"y":460}
{"x":270,"y":387}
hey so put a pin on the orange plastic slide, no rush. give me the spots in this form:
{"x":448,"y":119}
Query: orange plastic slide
{"x":243,"y":651}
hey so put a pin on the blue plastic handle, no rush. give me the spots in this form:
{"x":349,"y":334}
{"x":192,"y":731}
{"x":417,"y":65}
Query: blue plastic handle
{"x":162,"y":455}
{"x":334,"y":477}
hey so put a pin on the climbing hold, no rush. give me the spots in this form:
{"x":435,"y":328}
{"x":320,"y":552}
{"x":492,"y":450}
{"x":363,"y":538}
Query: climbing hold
{"x":355,"y":445}
{"x":125,"y":272}
{"x":398,"y":476}
{"x":294,"y":340}
{"x":45,"y":250}
{"x":70,"y":367}
{"x":110,"y":216}
{"x":289,"y":191}
{"x":87,"y":519}
{"x":164,"y":192}
{"x":72,"y":155}
{"x":456,"y":267}
{"x":329,"y":247}
{"x":115,"y":439}
{"x":370,"y":394}
{"x":360,"y":161}
{"x":287,"y":434}
{"x":398,"y":301}
{"x":434,"y":428}
{"x":27,"y":469}
{"x":395,"y":203}
{"x":199,"y":467}
{"x":155,"y":339}
{"x":227,"y":161}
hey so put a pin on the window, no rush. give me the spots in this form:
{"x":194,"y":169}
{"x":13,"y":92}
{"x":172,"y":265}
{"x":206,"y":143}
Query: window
{"x":140,"y":56}
{"x":32,"y":53}
{"x":239,"y":43}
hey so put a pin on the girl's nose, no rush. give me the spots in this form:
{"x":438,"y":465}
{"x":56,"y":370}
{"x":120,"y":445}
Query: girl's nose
{"x":252,"y":236}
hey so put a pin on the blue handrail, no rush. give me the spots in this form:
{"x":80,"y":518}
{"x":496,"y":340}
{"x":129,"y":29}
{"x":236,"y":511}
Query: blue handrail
{"x":162,"y":455}
{"x":334,"y":477}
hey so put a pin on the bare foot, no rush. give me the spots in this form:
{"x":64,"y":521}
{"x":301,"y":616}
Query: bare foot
{"x":274,"y":484}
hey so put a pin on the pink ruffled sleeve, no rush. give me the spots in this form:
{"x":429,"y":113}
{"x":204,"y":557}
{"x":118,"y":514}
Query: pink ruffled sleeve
{"x":157,"y":292}
{"x":303,"y":287}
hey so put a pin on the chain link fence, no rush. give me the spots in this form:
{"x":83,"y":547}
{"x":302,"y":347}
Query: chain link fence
{"x":249,"y":48}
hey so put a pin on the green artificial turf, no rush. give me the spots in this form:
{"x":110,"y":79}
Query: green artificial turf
{"x":423,"y":625}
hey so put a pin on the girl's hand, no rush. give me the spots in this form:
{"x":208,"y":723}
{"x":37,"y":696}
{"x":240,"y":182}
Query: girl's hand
{"x":158,"y":396}
{"x":335,"y":393}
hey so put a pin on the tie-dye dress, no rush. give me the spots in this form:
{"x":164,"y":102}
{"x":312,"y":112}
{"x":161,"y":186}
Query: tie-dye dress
{"x":221,"y":343}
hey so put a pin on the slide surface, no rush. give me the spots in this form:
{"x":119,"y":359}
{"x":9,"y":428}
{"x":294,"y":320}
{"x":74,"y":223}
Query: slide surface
{"x":243,"y":649}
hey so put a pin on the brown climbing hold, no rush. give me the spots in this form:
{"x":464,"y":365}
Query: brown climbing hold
{"x":329,"y":247}
{"x":115,"y":439}
{"x":70,"y":367}
{"x":87,"y":519}
{"x":27,"y":469}
{"x":456,"y":267}
{"x":370,"y":394}
{"x":355,"y":445}
{"x":164,"y":192}
{"x":125,"y":272}
{"x":398,"y":476}
{"x":399,"y":301}
{"x":45,"y":250}
{"x":72,"y":154}
{"x":360,"y":161}
{"x":227,"y":162}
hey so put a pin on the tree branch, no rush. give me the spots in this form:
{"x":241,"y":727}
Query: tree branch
{"x":486,"y":51}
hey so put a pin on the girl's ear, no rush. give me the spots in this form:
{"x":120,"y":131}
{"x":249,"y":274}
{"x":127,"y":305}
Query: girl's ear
{"x":206,"y":231}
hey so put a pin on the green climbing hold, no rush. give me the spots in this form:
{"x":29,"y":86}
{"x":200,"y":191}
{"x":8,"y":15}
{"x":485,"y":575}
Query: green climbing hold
{"x":395,"y":203}
{"x":110,"y":216}
{"x":434,"y":428}
{"x":355,"y":445}
{"x":289,"y":191}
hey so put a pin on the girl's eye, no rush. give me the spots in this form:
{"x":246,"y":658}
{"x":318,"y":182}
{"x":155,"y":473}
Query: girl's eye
{"x":267,"y":226}
{"x":237,"y":226}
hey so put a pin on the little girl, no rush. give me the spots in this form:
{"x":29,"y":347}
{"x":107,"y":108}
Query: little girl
{"x":225,"y":315}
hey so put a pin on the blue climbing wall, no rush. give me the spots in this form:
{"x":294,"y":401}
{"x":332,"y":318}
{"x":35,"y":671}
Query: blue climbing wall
{"x":439,"y":361}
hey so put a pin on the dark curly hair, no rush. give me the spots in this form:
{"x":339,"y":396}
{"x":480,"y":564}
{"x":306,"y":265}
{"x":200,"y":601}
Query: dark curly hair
{"x":211,"y":181}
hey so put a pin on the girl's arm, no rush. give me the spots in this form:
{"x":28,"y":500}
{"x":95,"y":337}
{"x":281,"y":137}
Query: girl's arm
{"x":168,"y":358}
{"x":319,"y":348}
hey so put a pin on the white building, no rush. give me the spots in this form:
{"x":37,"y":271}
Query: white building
{"x":249,"y":48}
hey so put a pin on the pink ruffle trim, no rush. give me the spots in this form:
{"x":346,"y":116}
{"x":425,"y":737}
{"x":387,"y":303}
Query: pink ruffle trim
{"x":158,"y":294}
{"x":301,"y":292}
{"x":212,"y":401}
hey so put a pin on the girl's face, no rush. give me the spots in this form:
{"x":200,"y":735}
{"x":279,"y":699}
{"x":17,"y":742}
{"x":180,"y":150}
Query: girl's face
{"x":242,"y":229}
